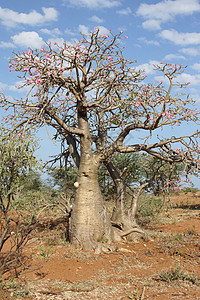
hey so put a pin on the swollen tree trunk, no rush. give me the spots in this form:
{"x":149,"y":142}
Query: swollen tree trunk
{"x":89,"y":222}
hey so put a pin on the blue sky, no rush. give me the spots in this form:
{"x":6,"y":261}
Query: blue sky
{"x":158,"y":31}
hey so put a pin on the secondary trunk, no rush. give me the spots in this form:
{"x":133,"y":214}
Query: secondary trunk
{"x":124,"y":219}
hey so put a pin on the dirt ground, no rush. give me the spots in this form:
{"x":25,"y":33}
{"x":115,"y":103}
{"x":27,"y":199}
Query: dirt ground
{"x":166,"y":266}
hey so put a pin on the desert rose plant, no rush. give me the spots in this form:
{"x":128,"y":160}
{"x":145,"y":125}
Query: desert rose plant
{"x":96,"y":100}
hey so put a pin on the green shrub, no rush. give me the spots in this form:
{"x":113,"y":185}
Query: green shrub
{"x":148,"y":208}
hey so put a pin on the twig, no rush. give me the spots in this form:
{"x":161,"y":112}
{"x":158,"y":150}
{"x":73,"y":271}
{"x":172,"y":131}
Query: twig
{"x":142,"y":295}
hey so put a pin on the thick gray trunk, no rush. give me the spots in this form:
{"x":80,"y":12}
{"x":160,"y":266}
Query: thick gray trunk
{"x":89,"y":222}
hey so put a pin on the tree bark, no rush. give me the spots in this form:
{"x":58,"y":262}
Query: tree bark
{"x":124,"y":219}
{"x":89,"y":223}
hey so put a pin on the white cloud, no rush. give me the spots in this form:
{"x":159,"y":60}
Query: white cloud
{"x":50,"y":14}
{"x":6,"y":45}
{"x":148,"y":67}
{"x":125,"y":11}
{"x":28,"y":39}
{"x":194,"y":94}
{"x":174,"y":57}
{"x":94,"y":3}
{"x":53,"y":32}
{"x":57,"y":40}
{"x":102,"y":30}
{"x":190,"y":51}
{"x":180,"y":38}
{"x":149,"y":42}
{"x":185,"y":77}
{"x":96,"y":19}
{"x":83,"y":29}
{"x":167,"y":10}
{"x":69,"y":32}
{"x":10,"y":17}
{"x":3,"y":86}
{"x":14,"y":87}
{"x":151,"y":25}
{"x":196,"y":67}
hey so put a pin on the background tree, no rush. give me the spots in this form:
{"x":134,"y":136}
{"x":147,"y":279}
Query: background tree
{"x":91,"y":95}
{"x":137,"y":168}
{"x":31,"y":181}
{"x":16,"y":159}
{"x":63,"y":178}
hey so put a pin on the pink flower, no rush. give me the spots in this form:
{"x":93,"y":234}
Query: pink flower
{"x":170,"y":116}
{"x":126,"y":37}
{"x":29,"y":52}
{"x":39,"y":80}
{"x":109,"y":57}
